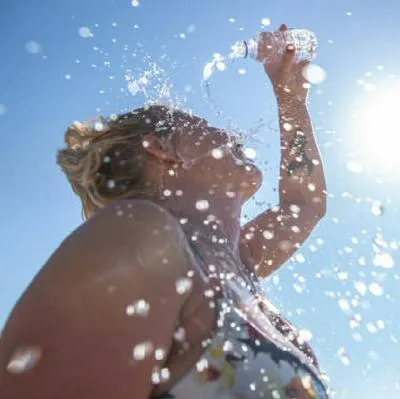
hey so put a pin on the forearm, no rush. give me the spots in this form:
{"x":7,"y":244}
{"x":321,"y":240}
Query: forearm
{"x":302,"y":180}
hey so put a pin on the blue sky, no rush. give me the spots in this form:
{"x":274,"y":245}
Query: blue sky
{"x":338,"y":288}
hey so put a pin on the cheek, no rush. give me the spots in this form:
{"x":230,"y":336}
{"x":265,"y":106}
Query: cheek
{"x":192,"y":146}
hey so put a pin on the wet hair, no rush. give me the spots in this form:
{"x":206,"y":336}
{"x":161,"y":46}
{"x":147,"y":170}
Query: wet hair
{"x":105,"y":160}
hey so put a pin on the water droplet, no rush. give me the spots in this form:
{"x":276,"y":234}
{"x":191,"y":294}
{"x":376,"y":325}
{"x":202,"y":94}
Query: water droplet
{"x":311,"y":187}
{"x":343,"y":276}
{"x":252,"y":386}
{"x":276,"y":394}
{"x":354,"y":166}
{"x":183,"y":285}
{"x":376,"y":289}
{"x":140,"y":351}
{"x":298,"y":288}
{"x":295,"y":209}
{"x":285,"y":245}
{"x":167,"y":193}
{"x":380,"y":324}
{"x":159,"y":354}
{"x":287,"y":126}
{"x":295,"y":229}
{"x":265,"y":21}
{"x":99,"y":126}
{"x":217,"y":153}
{"x":24,"y":359}
{"x":202,"y":365}
{"x":139,"y":308}
{"x":377,"y":209}
{"x":250,"y":152}
{"x":180,"y":334}
{"x":305,"y":335}
{"x":300,"y":258}
{"x":384,"y":260}
{"x":202,"y":205}
{"x":344,"y":305}
{"x":135,"y":3}
{"x":314,"y":74}
{"x":165,"y":374}
{"x":242,"y":71}
{"x":110,"y":184}
{"x":85,"y":32}
{"x":221,"y":65}
{"x":249,"y":236}
{"x":357,"y":336}
{"x":268,"y":235}
{"x":371,"y":328}
{"x":344,"y":358}
{"x":67,"y":76}
{"x":155,"y":377}
{"x":33,"y":47}
{"x":158,"y":376}
{"x":362,"y":261}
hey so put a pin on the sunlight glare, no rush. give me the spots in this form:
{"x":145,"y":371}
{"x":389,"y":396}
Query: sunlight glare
{"x":375,"y":128}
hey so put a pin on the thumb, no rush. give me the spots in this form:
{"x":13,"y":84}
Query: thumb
{"x":288,"y":58}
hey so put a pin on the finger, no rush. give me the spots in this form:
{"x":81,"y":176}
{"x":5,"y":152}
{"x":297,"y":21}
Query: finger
{"x":288,"y":58}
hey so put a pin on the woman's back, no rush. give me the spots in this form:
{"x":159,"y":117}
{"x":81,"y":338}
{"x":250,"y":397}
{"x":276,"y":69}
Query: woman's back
{"x":76,"y":315}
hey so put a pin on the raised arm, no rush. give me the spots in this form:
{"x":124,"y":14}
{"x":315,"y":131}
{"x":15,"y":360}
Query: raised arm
{"x":79,"y":312}
{"x":272,"y":237}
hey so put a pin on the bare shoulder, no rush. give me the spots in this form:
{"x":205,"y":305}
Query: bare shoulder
{"x":135,"y":232}
{"x":80,"y":309}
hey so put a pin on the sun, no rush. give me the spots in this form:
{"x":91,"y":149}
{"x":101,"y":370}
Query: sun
{"x":374,"y":127}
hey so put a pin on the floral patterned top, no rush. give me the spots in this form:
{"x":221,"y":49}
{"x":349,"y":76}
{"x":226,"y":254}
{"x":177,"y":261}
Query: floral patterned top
{"x":254,"y":353}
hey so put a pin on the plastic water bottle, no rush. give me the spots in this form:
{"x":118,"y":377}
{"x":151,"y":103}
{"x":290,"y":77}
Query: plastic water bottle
{"x":275,"y":44}
{"x":303,"y":40}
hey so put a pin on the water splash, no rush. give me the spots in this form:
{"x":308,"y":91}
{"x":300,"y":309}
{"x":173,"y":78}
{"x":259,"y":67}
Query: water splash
{"x":24,"y":359}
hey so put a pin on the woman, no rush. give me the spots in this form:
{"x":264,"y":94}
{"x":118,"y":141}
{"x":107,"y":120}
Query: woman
{"x":156,"y":294}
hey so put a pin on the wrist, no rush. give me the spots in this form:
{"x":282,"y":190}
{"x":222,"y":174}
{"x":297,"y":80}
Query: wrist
{"x":290,"y":103}
{"x":290,"y":96}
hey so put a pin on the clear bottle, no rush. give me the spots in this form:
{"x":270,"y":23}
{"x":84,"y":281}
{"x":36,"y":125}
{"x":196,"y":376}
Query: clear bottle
{"x":273,"y":44}
{"x":303,"y":40}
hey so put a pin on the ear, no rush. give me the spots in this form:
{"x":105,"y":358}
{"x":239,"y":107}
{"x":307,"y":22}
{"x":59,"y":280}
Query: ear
{"x":159,"y":148}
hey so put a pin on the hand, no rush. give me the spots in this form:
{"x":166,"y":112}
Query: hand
{"x":286,"y":74}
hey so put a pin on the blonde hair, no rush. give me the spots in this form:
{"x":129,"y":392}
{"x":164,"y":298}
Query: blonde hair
{"x":105,"y":160}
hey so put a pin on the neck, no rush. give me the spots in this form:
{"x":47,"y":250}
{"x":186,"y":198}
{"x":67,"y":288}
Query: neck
{"x":214,"y":216}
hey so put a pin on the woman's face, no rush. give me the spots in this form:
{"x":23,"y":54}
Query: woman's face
{"x":216,"y":157}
